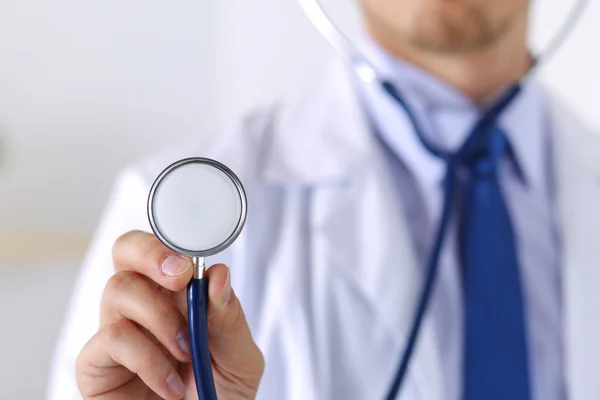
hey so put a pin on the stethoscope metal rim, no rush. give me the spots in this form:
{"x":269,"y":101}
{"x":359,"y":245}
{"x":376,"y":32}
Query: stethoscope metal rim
{"x":366,"y":71}
{"x":243,"y":212}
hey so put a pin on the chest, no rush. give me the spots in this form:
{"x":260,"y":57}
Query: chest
{"x":338,"y":287}
{"x":342,"y":271}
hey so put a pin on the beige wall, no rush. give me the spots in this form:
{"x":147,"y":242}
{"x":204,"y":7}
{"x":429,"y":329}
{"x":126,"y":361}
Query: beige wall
{"x":33,"y":297}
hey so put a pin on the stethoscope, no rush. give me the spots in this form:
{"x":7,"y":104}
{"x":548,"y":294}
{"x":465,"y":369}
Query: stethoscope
{"x":197,"y":206}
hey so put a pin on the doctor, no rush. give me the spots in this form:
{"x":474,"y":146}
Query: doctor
{"x":344,"y":202}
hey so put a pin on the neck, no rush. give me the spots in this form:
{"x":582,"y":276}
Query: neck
{"x":479,"y":74}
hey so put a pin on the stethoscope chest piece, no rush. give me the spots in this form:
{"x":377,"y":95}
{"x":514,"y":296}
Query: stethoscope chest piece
{"x":197,"y":207}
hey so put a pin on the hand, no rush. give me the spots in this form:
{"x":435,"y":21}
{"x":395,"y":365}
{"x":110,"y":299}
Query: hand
{"x":141,"y":350}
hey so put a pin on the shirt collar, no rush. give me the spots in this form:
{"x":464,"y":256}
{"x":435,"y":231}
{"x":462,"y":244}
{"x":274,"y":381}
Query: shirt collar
{"x":448,"y":115}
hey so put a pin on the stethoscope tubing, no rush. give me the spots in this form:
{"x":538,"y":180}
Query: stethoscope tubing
{"x":197,"y":298}
{"x":366,"y":70}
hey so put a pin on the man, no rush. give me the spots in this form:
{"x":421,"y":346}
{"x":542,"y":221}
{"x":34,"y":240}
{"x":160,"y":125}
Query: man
{"x":344,"y":204}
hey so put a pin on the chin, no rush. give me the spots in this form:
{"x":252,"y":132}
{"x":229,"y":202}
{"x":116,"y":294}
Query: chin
{"x":453,"y":26}
{"x":445,"y":25}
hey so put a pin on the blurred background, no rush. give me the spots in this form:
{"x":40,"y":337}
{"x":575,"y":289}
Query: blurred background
{"x":88,"y":86}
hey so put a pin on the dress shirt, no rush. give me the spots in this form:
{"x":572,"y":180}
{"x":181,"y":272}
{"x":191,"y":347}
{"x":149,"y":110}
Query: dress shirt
{"x":447,"y":116}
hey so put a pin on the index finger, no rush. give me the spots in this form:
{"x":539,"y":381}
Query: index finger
{"x":143,"y":253}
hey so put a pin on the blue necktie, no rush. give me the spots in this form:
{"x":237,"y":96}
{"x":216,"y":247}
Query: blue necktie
{"x":495,"y":362}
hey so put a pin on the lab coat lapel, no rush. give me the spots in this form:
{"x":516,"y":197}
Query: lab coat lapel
{"x":358,"y":227}
{"x":577,"y":163}
{"x":360,"y":230}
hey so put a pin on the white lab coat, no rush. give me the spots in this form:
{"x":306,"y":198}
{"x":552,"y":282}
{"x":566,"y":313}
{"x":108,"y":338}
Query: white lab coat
{"x":325,"y":268}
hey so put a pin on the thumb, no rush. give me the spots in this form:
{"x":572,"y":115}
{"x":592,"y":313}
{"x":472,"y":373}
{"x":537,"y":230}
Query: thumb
{"x":234,"y":353}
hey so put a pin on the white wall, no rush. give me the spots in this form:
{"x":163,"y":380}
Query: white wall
{"x":87,"y":86}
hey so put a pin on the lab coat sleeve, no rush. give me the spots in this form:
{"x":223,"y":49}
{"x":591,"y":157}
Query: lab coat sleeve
{"x":126,"y":211}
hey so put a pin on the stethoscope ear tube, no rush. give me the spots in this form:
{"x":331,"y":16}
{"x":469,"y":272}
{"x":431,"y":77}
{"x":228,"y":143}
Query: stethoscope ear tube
{"x":197,"y":321}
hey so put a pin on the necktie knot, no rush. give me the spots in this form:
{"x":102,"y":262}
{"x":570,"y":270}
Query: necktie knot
{"x":483,"y":154}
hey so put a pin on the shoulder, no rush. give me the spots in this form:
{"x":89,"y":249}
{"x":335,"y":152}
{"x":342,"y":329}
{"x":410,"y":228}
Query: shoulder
{"x":574,"y":138}
{"x":295,"y":137}
{"x":236,"y":146}
{"x":245,"y":146}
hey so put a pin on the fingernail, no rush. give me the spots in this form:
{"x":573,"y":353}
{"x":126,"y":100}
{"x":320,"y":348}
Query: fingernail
{"x":227,"y":288}
{"x":175,"y":384}
{"x":174,"y":265}
{"x":183,"y":340}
